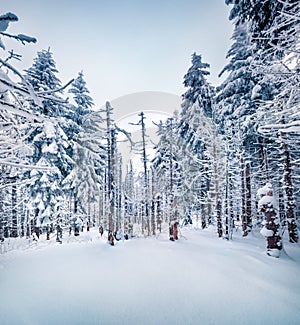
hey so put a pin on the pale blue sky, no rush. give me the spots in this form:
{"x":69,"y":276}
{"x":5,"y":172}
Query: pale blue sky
{"x":124,"y":46}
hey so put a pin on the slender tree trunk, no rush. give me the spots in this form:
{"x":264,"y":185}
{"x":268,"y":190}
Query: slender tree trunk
{"x":14,"y":211}
{"x":228,"y":197}
{"x":203,"y":216}
{"x":146,"y":181}
{"x":243,"y":201}
{"x":153,"y":225}
{"x":281,"y":207}
{"x":248,"y":197}
{"x":75,"y":205}
{"x":35,"y":228}
{"x":219,"y":219}
{"x":1,"y":217}
{"x":48,"y":232}
{"x":290,"y":205}
{"x":111,"y":187}
{"x":230,"y":207}
{"x":264,"y":165}
{"x":89,"y":217}
{"x":226,"y":210}
{"x":158,"y":212}
{"x":110,"y":173}
{"x":217,"y":194}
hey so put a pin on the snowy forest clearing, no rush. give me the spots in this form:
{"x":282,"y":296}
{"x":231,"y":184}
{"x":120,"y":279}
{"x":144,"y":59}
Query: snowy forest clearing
{"x":196,"y":280}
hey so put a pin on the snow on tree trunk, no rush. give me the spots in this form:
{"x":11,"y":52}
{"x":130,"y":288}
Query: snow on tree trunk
{"x":271,"y":228}
{"x":217,"y":195}
{"x":219,"y":219}
{"x":248,"y":197}
{"x":159,"y":214}
{"x":243,"y":201}
{"x":14,"y":232}
{"x":110,"y":171}
{"x":153,"y":225}
{"x":290,"y":203}
{"x":146,"y":180}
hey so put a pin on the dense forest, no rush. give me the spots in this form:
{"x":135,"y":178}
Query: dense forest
{"x":230,"y":159}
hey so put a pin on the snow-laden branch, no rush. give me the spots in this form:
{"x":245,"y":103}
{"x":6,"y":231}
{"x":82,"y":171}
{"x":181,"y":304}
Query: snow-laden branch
{"x":26,"y":166}
{"x":46,"y":92}
{"x":15,"y":71}
{"x":19,"y":183}
{"x":292,"y":127}
{"x":20,"y":37}
{"x":21,"y":112}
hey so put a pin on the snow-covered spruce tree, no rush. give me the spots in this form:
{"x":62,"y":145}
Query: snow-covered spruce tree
{"x":42,"y":76}
{"x":83,"y":101}
{"x":287,"y":158}
{"x":84,"y":181}
{"x":45,"y":188}
{"x":280,"y":118}
{"x":196,"y":107}
{"x":88,"y":152}
{"x":195,"y":132}
{"x":166,"y":171}
{"x":45,"y":197}
{"x":51,"y":144}
{"x":198,"y":89}
{"x":274,"y":34}
{"x":261,"y":14}
{"x":237,"y":101}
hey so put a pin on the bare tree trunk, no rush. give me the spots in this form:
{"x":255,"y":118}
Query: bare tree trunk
{"x":226,"y":210}
{"x":153,"y":225}
{"x":146,"y":180}
{"x":48,"y":232}
{"x":219,"y":219}
{"x":110,"y":173}
{"x":290,"y":205}
{"x":158,"y":212}
{"x":217,"y":194}
{"x":243,"y":201}
{"x":111,"y":188}
{"x":14,"y":211}
{"x":248,"y":197}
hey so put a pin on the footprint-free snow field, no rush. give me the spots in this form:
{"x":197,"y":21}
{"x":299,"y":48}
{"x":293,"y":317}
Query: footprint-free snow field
{"x":197,"y":280}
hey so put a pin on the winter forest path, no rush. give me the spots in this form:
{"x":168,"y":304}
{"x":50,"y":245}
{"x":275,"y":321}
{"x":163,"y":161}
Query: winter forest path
{"x":196,"y":280}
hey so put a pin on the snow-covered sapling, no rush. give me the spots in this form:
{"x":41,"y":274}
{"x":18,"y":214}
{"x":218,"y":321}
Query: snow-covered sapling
{"x":271,"y":226}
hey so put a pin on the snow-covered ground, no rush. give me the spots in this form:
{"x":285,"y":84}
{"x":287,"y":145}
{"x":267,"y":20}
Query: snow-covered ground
{"x":197,"y":280}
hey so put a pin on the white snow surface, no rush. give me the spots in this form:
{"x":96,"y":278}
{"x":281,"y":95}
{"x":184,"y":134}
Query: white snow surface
{"x":198,"y":279}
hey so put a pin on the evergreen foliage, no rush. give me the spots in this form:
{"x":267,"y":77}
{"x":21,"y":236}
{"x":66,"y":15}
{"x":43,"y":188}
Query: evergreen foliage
{"x":199,"y":91}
